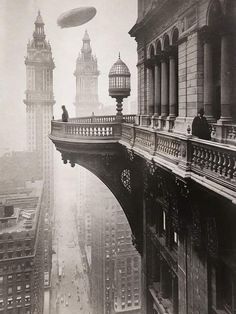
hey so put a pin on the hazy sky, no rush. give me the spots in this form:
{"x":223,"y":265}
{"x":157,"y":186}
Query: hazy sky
{"x":108,"y":32}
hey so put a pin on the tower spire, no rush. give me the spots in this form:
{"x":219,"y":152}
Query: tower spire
{"x":39,"y":34}
{"x":86,"y":50}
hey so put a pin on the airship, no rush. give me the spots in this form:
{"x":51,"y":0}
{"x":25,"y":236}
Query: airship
{"x":76,"y":17}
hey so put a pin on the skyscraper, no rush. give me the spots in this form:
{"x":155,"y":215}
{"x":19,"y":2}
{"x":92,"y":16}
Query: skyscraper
{"x":86,"y":73}
{"x":39,"y":111}
{"x":21,"y":248}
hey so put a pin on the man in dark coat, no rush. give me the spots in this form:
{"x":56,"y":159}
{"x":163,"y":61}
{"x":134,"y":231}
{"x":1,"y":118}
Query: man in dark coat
{"x":200,"y":126}
{"x":65,"y":115}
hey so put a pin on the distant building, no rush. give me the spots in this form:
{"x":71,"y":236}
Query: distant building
{"x":115,"y":264}
{"x":18,"y":167}
{"x":127,"y":281}
{"x":86,"y":73}
{"x":21,"y":249}
{"x":39,"y":112}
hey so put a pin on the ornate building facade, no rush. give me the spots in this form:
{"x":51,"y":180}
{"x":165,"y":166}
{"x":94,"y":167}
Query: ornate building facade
{"x":177,"y":190}
{"x":86,"y":73}
{"x":39,"y":113}
{"x":186,"y":61}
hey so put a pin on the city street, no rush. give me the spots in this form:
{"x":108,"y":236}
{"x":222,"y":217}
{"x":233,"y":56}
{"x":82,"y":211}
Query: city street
{"x":69,"y":293}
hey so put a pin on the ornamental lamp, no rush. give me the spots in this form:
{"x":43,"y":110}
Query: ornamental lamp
{"x":119,"y":85}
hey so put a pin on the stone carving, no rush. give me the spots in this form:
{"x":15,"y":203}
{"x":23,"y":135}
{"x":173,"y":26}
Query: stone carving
{"x":196,"y":228}
{"x":212,"y":241}
{"x":107,"y":159}
{"x":151,"y":167}
{"x":125,"y":179}
{"x":182,"y":187}
{"x":130,"y":154}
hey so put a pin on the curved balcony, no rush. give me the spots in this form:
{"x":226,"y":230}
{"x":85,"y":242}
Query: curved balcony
{"x":209,"y":163}
{"x":96,"y":129}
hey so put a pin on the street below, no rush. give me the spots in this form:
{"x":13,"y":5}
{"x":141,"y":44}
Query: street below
{"x":70,"y":287}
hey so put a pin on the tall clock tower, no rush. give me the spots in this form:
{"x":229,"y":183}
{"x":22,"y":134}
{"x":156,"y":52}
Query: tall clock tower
{"x":39,"y":101}
{"x":86,"y":73}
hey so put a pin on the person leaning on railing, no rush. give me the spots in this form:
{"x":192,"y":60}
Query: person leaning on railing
{"x":65,"y":115}
{"x":200,"y":126}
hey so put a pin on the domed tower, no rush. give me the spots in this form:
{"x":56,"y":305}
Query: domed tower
{"x":86,"y":73}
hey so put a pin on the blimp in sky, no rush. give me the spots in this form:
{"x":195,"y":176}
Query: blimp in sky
{"x":76,"y":17}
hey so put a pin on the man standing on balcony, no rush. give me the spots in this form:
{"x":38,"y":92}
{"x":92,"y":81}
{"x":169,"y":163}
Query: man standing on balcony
{"x":200,"y":126}
{"x":65,"y":115}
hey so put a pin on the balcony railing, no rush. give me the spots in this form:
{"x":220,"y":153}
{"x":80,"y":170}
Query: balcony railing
{"x":208,"y":159}
{"x":102,"y":119}
{"x":183,"y":154}
{"x":90,"y":128}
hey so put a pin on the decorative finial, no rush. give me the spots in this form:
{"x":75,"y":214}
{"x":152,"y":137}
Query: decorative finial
{"x":119,"y":55}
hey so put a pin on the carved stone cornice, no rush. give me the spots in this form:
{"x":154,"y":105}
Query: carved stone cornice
{"x":164,"y":56}
{"x":206,"y":34}
{"x":150,"y":63}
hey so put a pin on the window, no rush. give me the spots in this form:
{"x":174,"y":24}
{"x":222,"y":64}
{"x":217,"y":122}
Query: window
{"x":27,"y":276}
{"x":18,"y":299}
{"x":164,"y":220}
{"x":18,"y":288}
{"x":27,"y":286}
{"x":10,"y":301}
{"x":27,"y":298}
{"x":175,"y":238}
{"x":9,"y":291}
{"x":9,"y":277}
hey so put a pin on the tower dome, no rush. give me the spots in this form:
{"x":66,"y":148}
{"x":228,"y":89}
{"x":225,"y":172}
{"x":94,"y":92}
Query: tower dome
{"x":119,"y":68}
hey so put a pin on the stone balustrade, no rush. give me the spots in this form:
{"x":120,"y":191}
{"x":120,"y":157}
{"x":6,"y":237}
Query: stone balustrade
{"x":214,"y":161}
{"x":102,"y":119}
{"x":85,"y":131}
{"x":183,"y":154}
{"x":224,"y":133}
{"x":210,"y":160}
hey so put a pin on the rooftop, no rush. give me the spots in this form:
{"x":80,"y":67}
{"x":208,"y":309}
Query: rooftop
{"x":26,"y":206}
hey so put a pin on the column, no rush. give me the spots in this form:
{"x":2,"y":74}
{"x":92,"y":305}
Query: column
{"x":226,"y":78}
{"x":150,"y":89}
{"x":157,"y":93}
{"x":208,"y":80}
{"x":173,"y":87}
{"x":145,"y":81}
{"x":164,"y":88}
